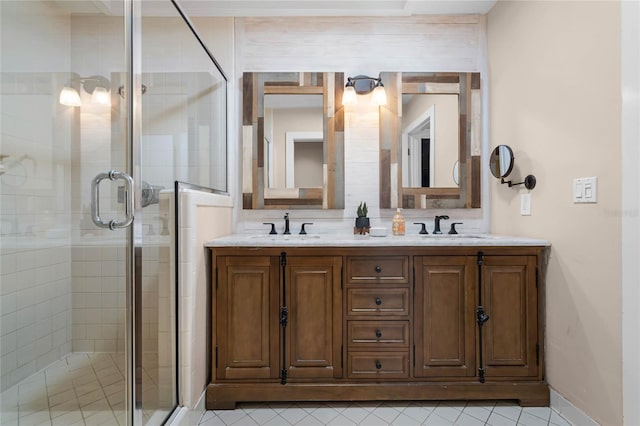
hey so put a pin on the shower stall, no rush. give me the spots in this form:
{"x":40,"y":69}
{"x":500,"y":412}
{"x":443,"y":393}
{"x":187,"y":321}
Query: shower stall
{"x":104,"y":105}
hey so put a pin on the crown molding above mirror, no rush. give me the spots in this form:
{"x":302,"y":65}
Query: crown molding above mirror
{"x":258,"y":190}
{"x":393,"y":194}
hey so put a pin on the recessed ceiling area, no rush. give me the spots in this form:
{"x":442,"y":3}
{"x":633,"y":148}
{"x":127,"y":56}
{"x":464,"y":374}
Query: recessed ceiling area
{"x":256,"y":8}
{"x":333,"y":8}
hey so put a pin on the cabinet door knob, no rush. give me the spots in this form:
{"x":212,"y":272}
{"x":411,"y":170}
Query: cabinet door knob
{"x":378,"y":269}
{"x":378,"y":301}
{"x":378,"y":334}
{"x":378,"y":365}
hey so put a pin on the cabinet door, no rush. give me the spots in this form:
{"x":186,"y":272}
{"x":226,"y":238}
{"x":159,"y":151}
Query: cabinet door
{"x":444,"y":308}
{"x":509,"y":297}
{"x":314,"y":331}
{"x":247,"y":317}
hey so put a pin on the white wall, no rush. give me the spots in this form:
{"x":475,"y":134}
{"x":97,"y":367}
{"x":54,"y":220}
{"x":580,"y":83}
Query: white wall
{"x":631,"y":210}
{"x":196,"y":228}
{"x":554,"y":74}
{"x":291,"y":120}
{"x":447,"y":129}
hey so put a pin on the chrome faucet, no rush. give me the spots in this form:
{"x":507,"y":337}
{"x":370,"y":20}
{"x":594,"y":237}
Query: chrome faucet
{"x":286,"y":224}
{"x":436,"y":227}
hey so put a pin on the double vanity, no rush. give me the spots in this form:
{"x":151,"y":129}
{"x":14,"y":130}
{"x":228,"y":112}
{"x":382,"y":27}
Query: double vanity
{"x":347,"y":318}
{"x":343,"y":318}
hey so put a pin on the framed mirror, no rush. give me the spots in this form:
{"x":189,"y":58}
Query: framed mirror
{"x":293,"y":140}
{"x":429,"y":127}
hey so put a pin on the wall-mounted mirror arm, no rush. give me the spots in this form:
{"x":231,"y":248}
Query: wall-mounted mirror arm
{"x":529,"y":182}
{"x":501,"y":164}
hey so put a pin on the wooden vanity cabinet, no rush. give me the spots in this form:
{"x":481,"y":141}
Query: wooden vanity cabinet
{"x":377,"y":323}
{"x":510,"y":337}
{"x":246,"y":322}
{"x":445,"y":300}
{"x":264,"y":322}
{"x":313,"y":335}
{"x":378,"y":317}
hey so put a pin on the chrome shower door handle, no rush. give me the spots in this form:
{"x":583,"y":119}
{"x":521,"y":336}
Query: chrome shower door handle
{"x":128,"y":200}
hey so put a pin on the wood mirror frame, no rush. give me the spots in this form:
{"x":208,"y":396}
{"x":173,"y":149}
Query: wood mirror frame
{"x":255,"y":85}
{"x":467,"y":87}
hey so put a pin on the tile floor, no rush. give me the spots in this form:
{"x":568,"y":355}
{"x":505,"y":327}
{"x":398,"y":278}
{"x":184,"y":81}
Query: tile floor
{"x":81,"y":389}
{"x":385,"y":413}
{"x":88,"y":389}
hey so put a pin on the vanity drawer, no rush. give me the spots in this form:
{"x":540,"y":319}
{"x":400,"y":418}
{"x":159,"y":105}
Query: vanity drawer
{"x":371,"y":270}
{"x":381,"y":301}
{"x":381,"y":334}
{"x":378,"y":365}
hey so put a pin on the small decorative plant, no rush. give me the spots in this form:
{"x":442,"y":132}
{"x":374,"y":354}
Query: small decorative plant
{"x":362,"y":221}
{"x":362,"y":209}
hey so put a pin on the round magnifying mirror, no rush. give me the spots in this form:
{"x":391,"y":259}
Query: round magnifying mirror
{"x":501,"y":161}
{"x":456,"y":172}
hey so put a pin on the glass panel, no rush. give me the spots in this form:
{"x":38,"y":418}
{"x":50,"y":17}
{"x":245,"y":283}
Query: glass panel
{"x":64,"y":280}
{"x":183,"y":138}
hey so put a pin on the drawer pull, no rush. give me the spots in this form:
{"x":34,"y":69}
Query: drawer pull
{"x":378,"y":365}
{"x":378,"y":334}
{"x":378,"y":269}
{"x":378,"y":301}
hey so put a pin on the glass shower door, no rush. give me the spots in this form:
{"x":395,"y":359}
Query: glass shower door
{"x":182,"y":137}
{"x":66,"y":284}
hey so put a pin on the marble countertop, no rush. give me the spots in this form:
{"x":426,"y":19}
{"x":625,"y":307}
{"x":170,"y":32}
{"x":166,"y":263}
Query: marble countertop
{"x":339,"y":240}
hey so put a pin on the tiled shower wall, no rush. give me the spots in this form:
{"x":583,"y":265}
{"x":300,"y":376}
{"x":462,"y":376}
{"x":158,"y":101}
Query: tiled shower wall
{"x":35,"y":274}
{"x":98,"y":273}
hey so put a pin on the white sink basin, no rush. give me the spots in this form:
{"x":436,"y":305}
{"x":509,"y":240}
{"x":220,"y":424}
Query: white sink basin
{"x":278,"y":237}
{"x":452,"y":236}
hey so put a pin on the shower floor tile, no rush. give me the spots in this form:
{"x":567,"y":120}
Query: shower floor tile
{"x":81,"y":389}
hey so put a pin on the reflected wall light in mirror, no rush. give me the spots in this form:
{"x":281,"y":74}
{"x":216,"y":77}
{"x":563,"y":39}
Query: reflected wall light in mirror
{"x":96,"y":85}
{"x":363,"y":85}
{"x":501,"y":164}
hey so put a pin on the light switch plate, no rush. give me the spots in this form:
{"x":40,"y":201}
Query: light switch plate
{"x":585,"y":190}
{"x":525,"y":204}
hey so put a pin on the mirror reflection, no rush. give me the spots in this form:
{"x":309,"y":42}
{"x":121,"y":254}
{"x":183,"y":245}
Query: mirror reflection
{"x":430,"y":127}
{"x":501,"y":161}
{"x":293,"y":141}
{"x":430,"y":134}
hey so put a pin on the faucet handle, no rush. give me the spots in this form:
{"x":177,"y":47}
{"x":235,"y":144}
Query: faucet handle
{"x":423,"y":230}
{"x":273,"y":228}
{"x":304,"y":231}
{"x":453,"y":227}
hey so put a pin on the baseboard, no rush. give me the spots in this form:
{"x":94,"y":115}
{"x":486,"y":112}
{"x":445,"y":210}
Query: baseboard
{"x":570,"y":412}
{"x":189,"y":417}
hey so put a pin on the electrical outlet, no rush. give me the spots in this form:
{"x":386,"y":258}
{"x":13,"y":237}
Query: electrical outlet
{"x":525,"y":204}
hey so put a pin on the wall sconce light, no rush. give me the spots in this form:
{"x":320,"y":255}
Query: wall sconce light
{"x":362,"y":85}
{"x":96,"y":86}
{"x":70,"y":97}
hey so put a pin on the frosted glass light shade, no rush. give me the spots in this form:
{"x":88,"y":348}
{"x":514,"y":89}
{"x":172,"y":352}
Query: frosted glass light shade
{"x":349,"y":96}
{"x":379,"y":96}
{"x":101,"y":96}
{"x":70,"y":97}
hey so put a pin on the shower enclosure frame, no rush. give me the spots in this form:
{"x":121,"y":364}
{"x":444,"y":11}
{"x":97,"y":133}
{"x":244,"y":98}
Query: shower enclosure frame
{"x":75,"y":291}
